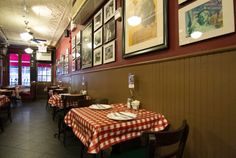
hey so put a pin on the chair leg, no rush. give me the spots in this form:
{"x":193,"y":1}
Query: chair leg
{"x":64,"y":136}
{"x":9,"y":114}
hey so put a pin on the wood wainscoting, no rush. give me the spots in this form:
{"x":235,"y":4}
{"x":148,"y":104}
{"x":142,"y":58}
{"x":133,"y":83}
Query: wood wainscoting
{"x":198,"y":88}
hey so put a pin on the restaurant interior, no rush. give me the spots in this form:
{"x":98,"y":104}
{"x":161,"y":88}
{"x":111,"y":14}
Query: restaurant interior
{"x":117,"y":78}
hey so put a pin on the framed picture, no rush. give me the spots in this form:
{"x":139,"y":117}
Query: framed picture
{"x":97,"y":40}
{"x":78,"y":64}
{"x":181,"y":1}
{"x":97,"y":56}
{"x":87,"y":46}
{"x":109,"y":52}
{"x":109,"y":30}
{"x":73,"y":53}
{"x":97,"y":20}
{"x":78,"y":37}
{"x":204,"y":19}
{"x":109,"y":10}
{"x":73,"y":41}
{"x":145,"y":30}
{"x":78,"y":51}
{"x":73,"y":65}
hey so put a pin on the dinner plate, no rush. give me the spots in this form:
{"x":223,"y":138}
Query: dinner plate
{"x":100,"y":106}
{"x":121,"y":116}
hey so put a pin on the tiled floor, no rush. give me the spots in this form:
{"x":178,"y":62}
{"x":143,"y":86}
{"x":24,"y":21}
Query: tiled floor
{"x":31,"y":135}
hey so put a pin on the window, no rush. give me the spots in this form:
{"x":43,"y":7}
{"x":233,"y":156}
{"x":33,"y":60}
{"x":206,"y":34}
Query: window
{"x":13,"y":69}
{"x":25,"y":70}
{"x":44,"y":72}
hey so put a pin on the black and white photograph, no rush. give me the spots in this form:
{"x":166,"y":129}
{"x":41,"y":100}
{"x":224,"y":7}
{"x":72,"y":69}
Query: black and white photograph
{"x":78,"y":36}
{"x":109,"y":10}
{"x":73,"y":41}
{"x":109,"y":52}
{"x":73,"y":53}
{"x":97,"y":56}
{"x":98,"y":20}
{"x":109,"y":31}
{"x":97,"y":40}
{"x":87,"y":47}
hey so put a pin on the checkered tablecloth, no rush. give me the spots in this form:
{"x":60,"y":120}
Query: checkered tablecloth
{"x":55,"y":101}
{"x":98,"y":132}
{"x":3,"y":100}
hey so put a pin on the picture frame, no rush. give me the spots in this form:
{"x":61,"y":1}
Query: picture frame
{"x":182,"y":1}
{"x":73,"y":41}
{"x":97,"y":56}
{"x":199,"y":22}
{"x":73,"y":65}
{"x":98,"y":20}
{"x":78,"y":64}
{"x":73,"y":53}
{"x":109,"y":10}
{"x":151,"y":22}
{"x":97,"y":40}
{"x":86,"y":54}
{"x":109,"y":30}
{"x":78,"y":37}
{"x":109,"y":52}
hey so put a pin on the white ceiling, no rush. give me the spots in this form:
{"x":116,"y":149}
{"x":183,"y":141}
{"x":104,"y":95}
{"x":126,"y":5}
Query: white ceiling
{"x":13,"y":15}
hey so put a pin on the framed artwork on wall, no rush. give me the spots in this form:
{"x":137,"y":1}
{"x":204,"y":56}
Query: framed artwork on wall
{"x":87,"y":45}
{"x":78,"y":37}
{"x":73,"y":41}
{"x":145,"y":30}
{"x":98,"y":20}
{"x":204,"y":19}
{"x":109,"y":30}
{"x":73,"y":65}
{"x":97,"y":38}
{"x":109,"y":10}
{"x":97,"y":56}
{"x":109,"y":52}
{"x":182,"y":1}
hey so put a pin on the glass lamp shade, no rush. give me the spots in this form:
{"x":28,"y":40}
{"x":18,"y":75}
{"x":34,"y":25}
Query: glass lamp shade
{"x":26,"y":36}
{"x":29,"y":50}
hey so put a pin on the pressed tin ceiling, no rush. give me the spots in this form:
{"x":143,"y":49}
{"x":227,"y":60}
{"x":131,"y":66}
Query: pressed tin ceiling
{"x":48,"y":23}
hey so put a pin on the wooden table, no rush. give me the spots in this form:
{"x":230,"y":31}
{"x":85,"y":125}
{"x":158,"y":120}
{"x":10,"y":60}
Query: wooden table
{"x":97,"y":132}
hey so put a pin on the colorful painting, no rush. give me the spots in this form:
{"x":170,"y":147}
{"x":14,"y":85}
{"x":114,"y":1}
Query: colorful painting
{"x":204,"y":19}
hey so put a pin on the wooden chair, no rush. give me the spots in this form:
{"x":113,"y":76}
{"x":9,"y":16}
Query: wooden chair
{"x":155,"y":141}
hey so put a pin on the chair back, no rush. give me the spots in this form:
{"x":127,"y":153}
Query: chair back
{"x":156,"y":140}
{"x":73,"y":101}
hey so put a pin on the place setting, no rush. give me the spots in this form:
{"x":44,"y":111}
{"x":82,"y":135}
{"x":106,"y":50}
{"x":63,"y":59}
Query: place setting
{"x":100,"y":106}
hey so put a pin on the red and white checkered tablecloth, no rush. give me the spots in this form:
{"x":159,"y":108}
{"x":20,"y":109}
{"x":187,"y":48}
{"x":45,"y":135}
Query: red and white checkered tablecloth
{"x":55,"y":101}
{"x":3,"y":100}
{"x":97,"y":131}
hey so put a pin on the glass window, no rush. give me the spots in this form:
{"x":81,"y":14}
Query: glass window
{"x":44,"y":72}
{"x":13,"y":69}
{"x":25,"y":66}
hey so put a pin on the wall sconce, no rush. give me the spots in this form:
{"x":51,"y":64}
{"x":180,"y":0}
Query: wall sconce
{"x":29,"y":50}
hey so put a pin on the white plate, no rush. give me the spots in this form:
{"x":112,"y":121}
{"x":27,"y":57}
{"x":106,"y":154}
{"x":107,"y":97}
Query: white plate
{"x":121,"y":116}
{"x":99,"y":106}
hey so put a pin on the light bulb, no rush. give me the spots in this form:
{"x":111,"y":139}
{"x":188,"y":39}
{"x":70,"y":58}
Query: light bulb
{"x":29,"y":50}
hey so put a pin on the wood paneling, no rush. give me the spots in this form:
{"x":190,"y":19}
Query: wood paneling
{"x":200,"y":89}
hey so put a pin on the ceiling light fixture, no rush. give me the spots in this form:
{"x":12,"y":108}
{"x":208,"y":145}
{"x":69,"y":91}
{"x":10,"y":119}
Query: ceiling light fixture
{"x":29,"y":50}
{"x":42,"y":10}
{"x":26,"y":36}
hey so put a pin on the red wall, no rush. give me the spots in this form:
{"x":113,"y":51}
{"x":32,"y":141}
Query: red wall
{"x":173,"y":43}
